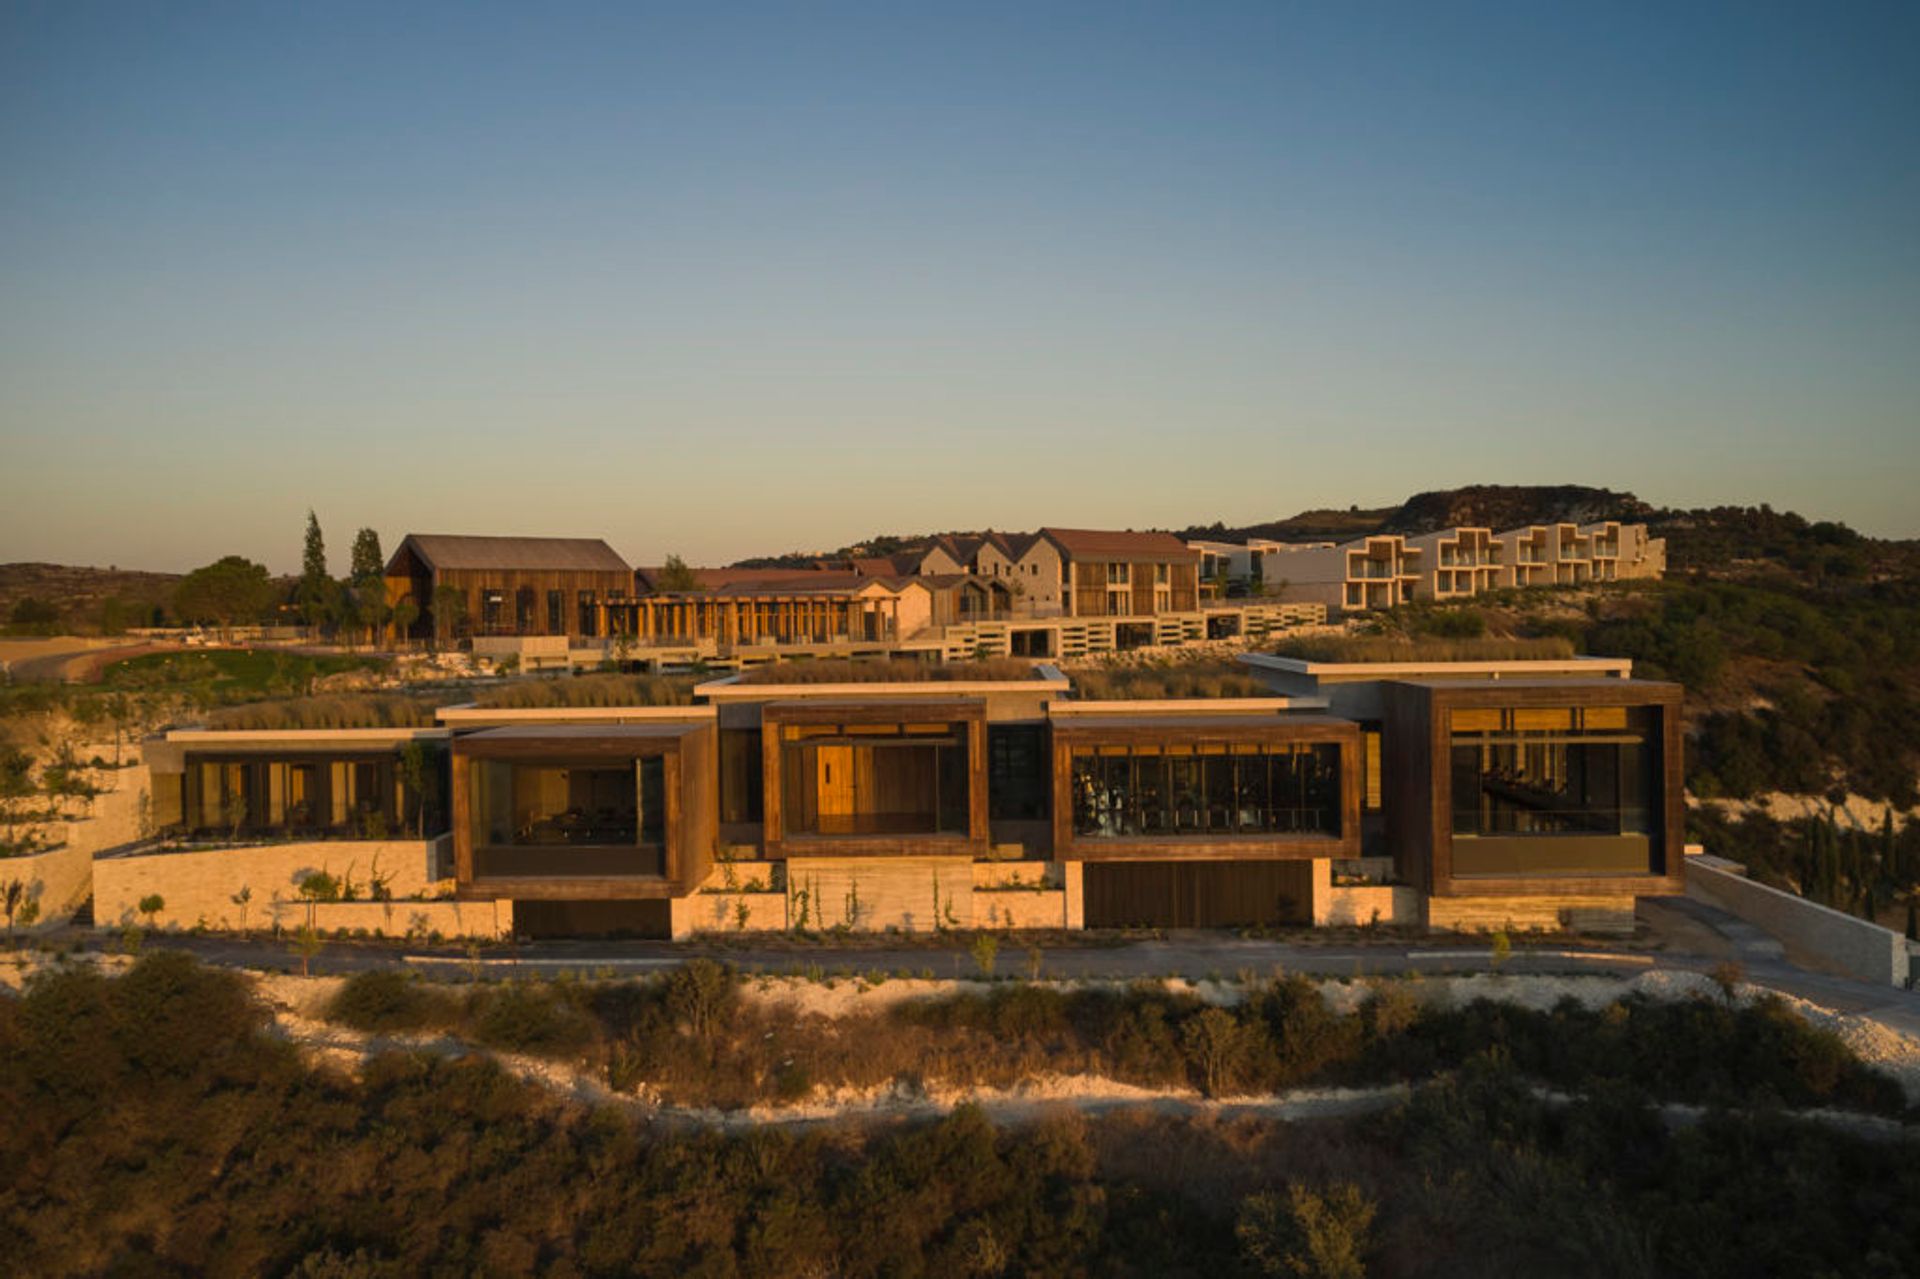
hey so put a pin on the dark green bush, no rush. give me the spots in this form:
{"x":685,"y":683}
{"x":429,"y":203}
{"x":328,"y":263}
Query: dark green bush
{"x":388,"y":1000}
{"x":544,"y":1018}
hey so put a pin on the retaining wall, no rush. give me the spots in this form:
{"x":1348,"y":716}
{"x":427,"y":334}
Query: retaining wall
{"x":58,"y":882}
{"x":199,"y":885}
{"x":1852,"y":946}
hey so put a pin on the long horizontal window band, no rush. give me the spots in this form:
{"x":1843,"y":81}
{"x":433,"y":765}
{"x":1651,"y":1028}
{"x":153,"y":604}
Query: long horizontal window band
{"x":1555,"y":790}
{"x":1239,"y":788}
{"x":568,"y":804}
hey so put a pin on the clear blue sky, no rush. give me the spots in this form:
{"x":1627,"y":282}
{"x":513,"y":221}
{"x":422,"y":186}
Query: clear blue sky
{"x":726,"y":279}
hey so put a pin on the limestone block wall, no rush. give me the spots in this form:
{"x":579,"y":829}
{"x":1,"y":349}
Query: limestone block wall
{"x":1852,"y":946}
{"x":719,"y":912}
{"x":199,"y":885}
{"x":58,"y":882}
{"x":913,"y":894}
{"x":1607,"y":913}
{"x":1019,"y":908}
{"x":417,"y":920}
{"x":1365,"y":904}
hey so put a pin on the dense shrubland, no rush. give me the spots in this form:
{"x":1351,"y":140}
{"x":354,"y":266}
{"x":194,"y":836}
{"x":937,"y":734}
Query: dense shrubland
{"x":155,"y":1128}
{"x":692,"y":1039}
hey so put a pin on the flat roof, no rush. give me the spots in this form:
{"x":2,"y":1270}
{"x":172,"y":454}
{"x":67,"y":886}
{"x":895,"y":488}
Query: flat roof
{"x":1185,"y":705}
{"x":1538,"y":682}
{"x":1202,"y":724}
{"x":1045,"y":679}
{"x":300,"y":736}
{"x":583,"y":732}
{"x":1589,"y":668}
{"x":472,"y":713}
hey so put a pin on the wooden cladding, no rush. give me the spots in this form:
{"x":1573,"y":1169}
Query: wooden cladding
{"x":690,"y":757}
{"x":1421,"y":722}
{"x":1142,"y":588}
{"x":578,"y":603}
{"x":817,"y":811}
{"x":1189,"y":738}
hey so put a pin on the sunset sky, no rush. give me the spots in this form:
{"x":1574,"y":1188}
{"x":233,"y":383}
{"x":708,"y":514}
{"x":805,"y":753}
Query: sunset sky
{"x":734,"y":279}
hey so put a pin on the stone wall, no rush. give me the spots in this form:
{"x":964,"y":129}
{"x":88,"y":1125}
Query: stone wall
{"x":1609,"y":913}
{"x":913,"y":894}
{"x":1364,"y":904}
{"x":57,"y":882}
{"x":1846,"y":944}
{"x":61,"y":880}
{"x":199,"y":885}
{"x":1019,"y":908}
{"x":719,"y":912}
{"x":417,"y":920}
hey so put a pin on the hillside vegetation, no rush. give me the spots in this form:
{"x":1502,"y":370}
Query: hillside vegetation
{"x":155,"y":1127}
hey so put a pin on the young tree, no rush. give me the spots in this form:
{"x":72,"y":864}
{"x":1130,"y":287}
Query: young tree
{"x":13,"y":895}
{"x":240,"y":899}
{"x":421,"y":777}
{"x":676,"y":576}
{"x":151,"y":905}
{"x":404,"y":614}
{"x":449,"y":613}
{"x":307,"y":944}
{"x":316,"y":590}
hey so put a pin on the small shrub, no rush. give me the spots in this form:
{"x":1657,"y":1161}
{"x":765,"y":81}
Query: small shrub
{"x":986,"y":951}
{"x":384,"y":1000}
{"x":532,"y":1017}
{"x":700,"y":993}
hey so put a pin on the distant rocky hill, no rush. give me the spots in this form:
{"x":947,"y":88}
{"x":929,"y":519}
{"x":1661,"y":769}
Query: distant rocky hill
{"x":1503,"y":506}
{"x":80,"y":594}
{"x":1495,"y":506}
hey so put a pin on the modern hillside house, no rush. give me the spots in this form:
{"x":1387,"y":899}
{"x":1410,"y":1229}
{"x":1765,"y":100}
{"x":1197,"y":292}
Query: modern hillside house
{"x":1479,"y":794}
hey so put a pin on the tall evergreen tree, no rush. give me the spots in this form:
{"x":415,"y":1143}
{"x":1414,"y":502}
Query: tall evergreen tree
{"x":369,"y":583}
{"x":316,"y":590}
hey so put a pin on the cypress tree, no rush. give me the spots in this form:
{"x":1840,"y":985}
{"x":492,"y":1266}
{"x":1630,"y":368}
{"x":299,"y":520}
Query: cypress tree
{"x":316,"y":586}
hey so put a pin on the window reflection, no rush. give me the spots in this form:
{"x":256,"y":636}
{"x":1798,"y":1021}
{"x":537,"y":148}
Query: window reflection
{"x":1210,"y":789}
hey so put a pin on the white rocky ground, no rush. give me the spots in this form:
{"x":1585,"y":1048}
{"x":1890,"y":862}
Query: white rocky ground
{"x":298,"y":1003}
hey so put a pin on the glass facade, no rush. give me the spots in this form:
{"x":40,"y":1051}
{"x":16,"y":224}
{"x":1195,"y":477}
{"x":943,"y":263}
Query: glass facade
{"x":1212,"y":788}
{"x":1555,"y":790}
{"x":560,"y":805}
{"x":312,"y":796}
{"x":874,"y":779}
{"x":1017,"y":772}
{"x":741,"y":776}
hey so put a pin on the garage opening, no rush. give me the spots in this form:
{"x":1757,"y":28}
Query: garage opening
{"x":544,"y":919}
{"x":1198,"y":894}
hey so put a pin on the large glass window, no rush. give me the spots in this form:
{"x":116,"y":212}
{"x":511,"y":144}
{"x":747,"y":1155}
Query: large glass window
{"x":561,"y":804}
{"x":1214,"y":789}
{"x":261,"y":796}
{"x":1017,"y":772}
{"x":1554,"y":789}
{"x":741,"y":778}
{"x":556,"y":612}
{"x":874,"y":779}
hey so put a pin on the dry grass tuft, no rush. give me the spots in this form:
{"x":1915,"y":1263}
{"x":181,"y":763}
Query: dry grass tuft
{"x":1153,"y":683}
{"x":365,"y":710}
{"x":589,"y":690}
